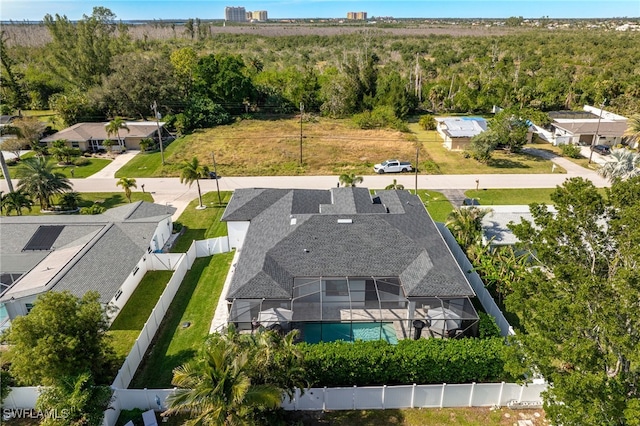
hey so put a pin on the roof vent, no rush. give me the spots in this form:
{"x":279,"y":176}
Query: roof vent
{"x":345,"y":220}
{"x":294,"y":220}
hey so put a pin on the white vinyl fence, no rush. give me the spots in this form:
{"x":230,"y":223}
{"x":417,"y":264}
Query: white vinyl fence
{"x":349,"y":398}
{"x":476,"y":282}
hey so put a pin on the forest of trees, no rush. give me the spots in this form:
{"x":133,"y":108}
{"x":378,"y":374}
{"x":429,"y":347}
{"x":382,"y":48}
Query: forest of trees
{"x":94,"y":69}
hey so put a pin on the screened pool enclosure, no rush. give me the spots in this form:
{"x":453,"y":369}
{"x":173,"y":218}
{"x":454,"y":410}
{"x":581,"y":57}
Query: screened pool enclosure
{"x":357,"y":308}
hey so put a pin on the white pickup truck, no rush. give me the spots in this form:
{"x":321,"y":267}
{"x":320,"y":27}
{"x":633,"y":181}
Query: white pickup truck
{"x":392,"y":166}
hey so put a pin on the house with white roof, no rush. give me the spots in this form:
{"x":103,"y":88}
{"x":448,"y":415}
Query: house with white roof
{"x":458,"y":131}
{"x":106,"y":253}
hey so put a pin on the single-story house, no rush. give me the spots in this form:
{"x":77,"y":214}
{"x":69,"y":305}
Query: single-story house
{"x":580,"y":127}
{"x":78,"y":253}
{"x":458,"y":131}
{"x":343,"y":264}
{"x":90,"y":136}
{"x":494,"y":224}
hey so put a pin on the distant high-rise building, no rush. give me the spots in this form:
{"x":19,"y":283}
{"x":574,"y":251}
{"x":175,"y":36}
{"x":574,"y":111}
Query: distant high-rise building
{"x":362,"y":16}
{"x":235,"y":14}
{"x":259,"y":15}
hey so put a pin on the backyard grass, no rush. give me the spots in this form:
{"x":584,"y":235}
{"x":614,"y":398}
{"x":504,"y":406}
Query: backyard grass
{"x":127,"y":326}
{"x":195,"y":303}
{"x":329,"y":147}
{"x":406,"y":417}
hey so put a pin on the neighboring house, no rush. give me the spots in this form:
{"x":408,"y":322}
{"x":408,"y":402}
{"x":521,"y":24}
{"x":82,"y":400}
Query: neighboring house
{"x":79,"y":253}
{"x":6,"y":120}
{"x":458,"y":131}
{"x":580,"y":127}
{"x":494,"y":224}
{"x":343,"y":264}
{"x":90,"y":136}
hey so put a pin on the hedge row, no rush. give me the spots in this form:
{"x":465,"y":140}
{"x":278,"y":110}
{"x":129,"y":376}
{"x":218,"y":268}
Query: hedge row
{"x":422,"y":361}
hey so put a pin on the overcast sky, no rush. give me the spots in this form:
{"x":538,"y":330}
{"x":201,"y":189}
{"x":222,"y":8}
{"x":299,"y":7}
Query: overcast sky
{"x":213,"y":9}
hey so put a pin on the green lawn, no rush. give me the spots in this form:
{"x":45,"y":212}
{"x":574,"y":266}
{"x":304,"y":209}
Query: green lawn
{"x":490,"y":197}
{"x":94,"y":165}
{"x":150,"y":164}
{"x":437,"y":204}
{"x":107,"y":199}
{"x":202,"y":224}
{"x":127,"y":326}
{"x":195,"y":302}
{"x":436,"y":159}
{"x":405,"y":417}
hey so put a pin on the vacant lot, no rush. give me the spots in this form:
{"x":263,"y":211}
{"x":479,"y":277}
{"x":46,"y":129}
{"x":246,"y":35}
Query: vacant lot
{"x":329,"y":147}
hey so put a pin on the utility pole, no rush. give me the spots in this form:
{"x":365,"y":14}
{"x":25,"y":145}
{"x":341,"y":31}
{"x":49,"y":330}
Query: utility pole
{"x":416,"y":168}
{"x":154,"y":107}
{"x":593,"y":141}
{"x":301,"y":112}
{"x":215,"y":170}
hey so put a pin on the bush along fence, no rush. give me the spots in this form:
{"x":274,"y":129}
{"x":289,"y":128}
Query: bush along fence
{"x":476,"y":282}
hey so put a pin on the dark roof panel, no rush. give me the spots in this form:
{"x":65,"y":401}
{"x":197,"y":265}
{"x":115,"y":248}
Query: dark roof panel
{"x":44,"y":237}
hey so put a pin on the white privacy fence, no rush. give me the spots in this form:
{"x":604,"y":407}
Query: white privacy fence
{"x":476,"y":282}
{"x":349,"y":398}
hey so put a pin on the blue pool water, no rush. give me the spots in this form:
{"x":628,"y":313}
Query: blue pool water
{"x":315,"y":332}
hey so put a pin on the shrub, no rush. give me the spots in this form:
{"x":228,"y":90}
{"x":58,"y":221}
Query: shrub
{"x":422,"y":361}
{"x":94,"y":209}
{"x":488,"y":327}
{"x":427,"y":122}
{"x":82,"y":161}
{"x":379,"y":117}
{"x":570,"y":150}
{"x":177,"y":227}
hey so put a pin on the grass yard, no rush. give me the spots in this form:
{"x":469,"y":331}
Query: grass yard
{"x":202,"y":224}
{"x":93,"y":166}
{"x":195,"y":302}
{"x":436,"y":159}
{"x":488,"y":197}
{"x":272,"y":148}
{"x":406,"y":417}
{"x":437,"y":204}
{"x":106,"y":199}
{"x":127,"y":326}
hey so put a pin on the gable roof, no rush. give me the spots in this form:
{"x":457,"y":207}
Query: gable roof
{"x":92,"y":252}
{"x":339,"y":232}
{"x":83,"y":132}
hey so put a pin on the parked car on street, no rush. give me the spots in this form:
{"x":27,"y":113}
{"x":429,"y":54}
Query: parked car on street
{"x":392,"y":166}
{"x":601,"y":149}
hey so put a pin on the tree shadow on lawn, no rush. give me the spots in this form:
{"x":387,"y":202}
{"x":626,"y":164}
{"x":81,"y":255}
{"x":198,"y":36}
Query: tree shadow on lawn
{"x":503,"y":163}
{"x":107,"y":202}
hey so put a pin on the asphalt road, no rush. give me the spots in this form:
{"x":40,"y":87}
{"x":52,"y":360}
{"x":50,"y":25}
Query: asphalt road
{"x":171,"y":192}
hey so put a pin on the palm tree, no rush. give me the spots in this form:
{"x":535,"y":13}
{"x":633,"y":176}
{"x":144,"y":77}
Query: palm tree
{"x":633,"y":130}
{"x":216,"y":388}
{"x":625,"y":165}
{"x":113,"y":128}
{"x":192,"y":171}
{"x":466,"y":225}
{"x":350,"y":179}
{"x":38,"y":179}
{"x":127,"y":184}
{"x":16,"y":200}
{"x":5,"y":172}
{"x":394,"y":185}
{"x":70,"y":200}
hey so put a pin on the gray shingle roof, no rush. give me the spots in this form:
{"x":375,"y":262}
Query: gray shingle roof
{"x":404,"y":242}
{"x":110,"y":245}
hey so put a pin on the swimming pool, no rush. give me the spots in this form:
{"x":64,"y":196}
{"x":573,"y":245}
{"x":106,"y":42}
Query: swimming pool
{"x":315,"y":332}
